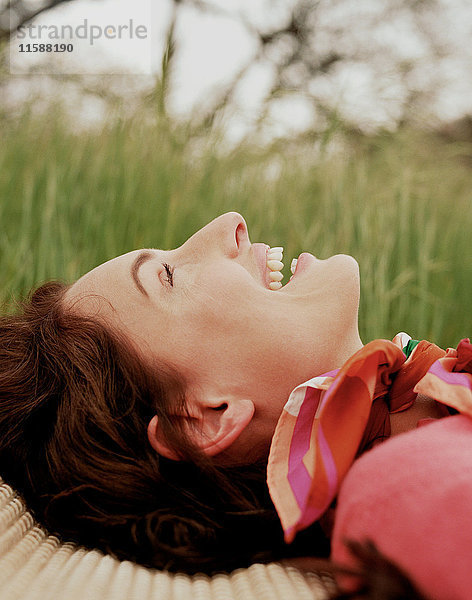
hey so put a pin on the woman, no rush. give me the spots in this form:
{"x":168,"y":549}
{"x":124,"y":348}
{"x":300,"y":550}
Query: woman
{"x":206,"y":310}
{"x":158,"y":356}
{"x":138,"y":404}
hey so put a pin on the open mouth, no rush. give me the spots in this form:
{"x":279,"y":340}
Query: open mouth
{"x":270,"y":261}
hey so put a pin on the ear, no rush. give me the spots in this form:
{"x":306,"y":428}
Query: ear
{"x":215,"y":426}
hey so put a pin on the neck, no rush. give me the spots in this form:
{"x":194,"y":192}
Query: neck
{"x":352,"y":345}
{"x":423,"y":408}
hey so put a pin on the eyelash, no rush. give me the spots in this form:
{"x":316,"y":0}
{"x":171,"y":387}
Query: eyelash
{"x":170,"y":273}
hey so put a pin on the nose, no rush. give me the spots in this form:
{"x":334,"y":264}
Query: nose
{"x":226,"y":234}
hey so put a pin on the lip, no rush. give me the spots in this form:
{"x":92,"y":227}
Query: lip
{"x":260,"y":253}
{"x":304,"y":261}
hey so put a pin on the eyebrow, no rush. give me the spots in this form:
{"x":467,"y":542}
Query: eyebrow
{"x":137,"y":263}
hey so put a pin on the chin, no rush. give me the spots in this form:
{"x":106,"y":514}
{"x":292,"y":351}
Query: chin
{"x":346,"y":259}
{"x":336,"y":290}
{"x":345,"y":268}
{"x":353,"y":282}
{"x":338,"y":274}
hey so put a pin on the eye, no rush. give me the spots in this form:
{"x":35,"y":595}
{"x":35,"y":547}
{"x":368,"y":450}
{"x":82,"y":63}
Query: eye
{"x":169,"y":273}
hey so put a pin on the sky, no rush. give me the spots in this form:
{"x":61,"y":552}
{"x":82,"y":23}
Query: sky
{"x":211,"y":49}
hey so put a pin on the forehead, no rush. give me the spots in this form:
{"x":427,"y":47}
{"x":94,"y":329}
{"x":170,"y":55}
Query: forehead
{"x":108,"y":280}
{"x":109,"y":270}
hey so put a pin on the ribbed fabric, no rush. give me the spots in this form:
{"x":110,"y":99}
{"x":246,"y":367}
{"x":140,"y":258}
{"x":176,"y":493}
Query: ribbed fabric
{"x":36,"y":566}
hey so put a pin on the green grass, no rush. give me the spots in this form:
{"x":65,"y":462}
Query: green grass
{"x":400,"y":203}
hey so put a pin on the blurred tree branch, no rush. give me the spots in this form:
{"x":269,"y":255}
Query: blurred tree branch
{"x":18,"y":12}
{"x":309,"y":48}
{"x":319,"y":38}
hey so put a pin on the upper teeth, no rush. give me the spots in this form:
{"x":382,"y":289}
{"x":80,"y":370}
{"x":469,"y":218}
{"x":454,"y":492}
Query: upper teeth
{"x":275,"y":265}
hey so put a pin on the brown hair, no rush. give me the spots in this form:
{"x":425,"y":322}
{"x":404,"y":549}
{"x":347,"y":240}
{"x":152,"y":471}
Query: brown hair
{"x":75,"y":401}
{"x":375,"y":576}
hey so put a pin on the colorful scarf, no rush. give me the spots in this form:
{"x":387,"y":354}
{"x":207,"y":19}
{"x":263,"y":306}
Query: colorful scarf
{"x":325,"y":420}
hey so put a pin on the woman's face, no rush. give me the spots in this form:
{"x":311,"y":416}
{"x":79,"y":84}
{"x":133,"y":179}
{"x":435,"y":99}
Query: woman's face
{"x":206,"y":309}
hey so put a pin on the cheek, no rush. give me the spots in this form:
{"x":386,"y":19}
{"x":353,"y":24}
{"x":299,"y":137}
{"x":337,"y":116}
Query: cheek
{"x":217,"y":314}
{"x":222,"y":300}
{"x":226,"y":317}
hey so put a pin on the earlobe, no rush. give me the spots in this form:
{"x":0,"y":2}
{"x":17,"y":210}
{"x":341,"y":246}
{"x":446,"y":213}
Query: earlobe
{"x":222,"y":427}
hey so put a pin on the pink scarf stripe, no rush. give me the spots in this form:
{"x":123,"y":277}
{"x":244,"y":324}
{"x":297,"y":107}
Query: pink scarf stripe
{"x":298,"y":476}
{"x":450,"y":377}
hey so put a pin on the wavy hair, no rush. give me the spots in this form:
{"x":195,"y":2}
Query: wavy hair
{"x":75,"y":401}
